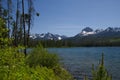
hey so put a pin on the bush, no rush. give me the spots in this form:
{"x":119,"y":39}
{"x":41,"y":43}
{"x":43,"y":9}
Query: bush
{"x":40,"y":56}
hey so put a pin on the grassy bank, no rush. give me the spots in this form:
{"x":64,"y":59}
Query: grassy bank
{"x":38,"y":65}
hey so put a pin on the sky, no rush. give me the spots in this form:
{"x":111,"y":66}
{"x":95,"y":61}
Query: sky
{"x":69,"y":17}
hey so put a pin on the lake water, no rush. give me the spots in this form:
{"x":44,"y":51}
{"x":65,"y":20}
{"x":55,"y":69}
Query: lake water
{"x":79,"y":60}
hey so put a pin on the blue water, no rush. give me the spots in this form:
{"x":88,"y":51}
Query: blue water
{"x":79,"y":60}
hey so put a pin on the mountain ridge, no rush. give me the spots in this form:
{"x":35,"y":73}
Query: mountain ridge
{"x":87,"y":37}
{"x":47,"y":36}
{"x":87,"y":31}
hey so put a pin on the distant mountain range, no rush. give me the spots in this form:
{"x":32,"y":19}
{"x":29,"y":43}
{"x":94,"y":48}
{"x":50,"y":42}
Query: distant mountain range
{"x":87,"y":37}
{"x":47,"y":36}
{"x":108,"y":32}
{"x":86,"y":32}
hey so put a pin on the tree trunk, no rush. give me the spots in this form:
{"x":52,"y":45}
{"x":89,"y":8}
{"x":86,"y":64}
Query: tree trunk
{"x":1,"y":8}
{"x":24,"y":27}
{"x":9,"y":10}
{"x":16,"y":26}
{"x":30,"y":11}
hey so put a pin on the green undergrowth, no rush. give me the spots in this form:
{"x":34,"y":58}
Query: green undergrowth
{"x":38,"y":65}
{"x":40,"y":56}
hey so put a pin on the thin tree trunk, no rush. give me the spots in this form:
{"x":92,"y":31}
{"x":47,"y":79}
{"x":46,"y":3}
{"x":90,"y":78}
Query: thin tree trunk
{"x":0,"y":8}
{"x":29,"y":25}
{"x":8,"y":4}
{"x":21,"y":29}
{"x":24,"y":27}
{"x":16,"y":25}
{"x":30,"y":10}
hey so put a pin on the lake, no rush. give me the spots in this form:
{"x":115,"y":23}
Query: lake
{"x":78,"y":60}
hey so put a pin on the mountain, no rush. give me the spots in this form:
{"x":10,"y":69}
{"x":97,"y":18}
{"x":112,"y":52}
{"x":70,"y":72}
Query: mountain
{"x":109,"y":32}
{"x":86,"y":31}
{"x":87,"y":37}
{"x":47,"y":36}
{"x":98,"y":37}
{"x":99,"y":32}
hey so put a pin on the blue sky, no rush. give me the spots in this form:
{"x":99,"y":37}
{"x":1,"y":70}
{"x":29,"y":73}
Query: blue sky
{"x":69,"y":17}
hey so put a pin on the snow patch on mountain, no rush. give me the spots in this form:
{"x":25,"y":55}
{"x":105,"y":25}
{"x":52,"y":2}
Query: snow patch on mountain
{"x":59,"y":38}
{"x":84,"y":33}
{"x":47,"y":36}
{"x":89,"y":31}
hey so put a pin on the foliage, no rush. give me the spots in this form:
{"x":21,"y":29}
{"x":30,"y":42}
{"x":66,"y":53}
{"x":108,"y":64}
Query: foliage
{"x":85,"y":77}
{"x":82,"y":42}
{"x":13,"y":67}
{"x":3,"y":33}
{"x":11,"y":62}
{"x":51,"y":43}
{"x":40,"y":56}
{"x":101,"y":73}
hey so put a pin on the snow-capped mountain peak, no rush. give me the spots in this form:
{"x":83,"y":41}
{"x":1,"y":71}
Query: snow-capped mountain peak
{"x":87,"y":31}
{"x":47,"y":36}
{"x":110,"y":31}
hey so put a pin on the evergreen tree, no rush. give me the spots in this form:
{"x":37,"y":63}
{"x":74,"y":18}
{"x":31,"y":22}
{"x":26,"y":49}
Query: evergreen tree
{"x":101,"y":73}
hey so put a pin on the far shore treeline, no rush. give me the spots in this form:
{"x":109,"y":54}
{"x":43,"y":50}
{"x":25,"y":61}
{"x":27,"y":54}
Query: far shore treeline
{"x":103,"y":42}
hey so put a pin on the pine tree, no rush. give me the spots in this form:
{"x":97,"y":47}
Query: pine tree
{"x":101,"y":73}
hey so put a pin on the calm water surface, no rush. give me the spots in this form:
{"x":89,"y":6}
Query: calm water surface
{"x":79,"y":60}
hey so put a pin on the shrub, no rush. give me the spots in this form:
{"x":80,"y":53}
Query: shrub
{"x":40,"y":56}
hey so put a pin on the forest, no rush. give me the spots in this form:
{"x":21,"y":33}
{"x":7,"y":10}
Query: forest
{"x":80,"y":42}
